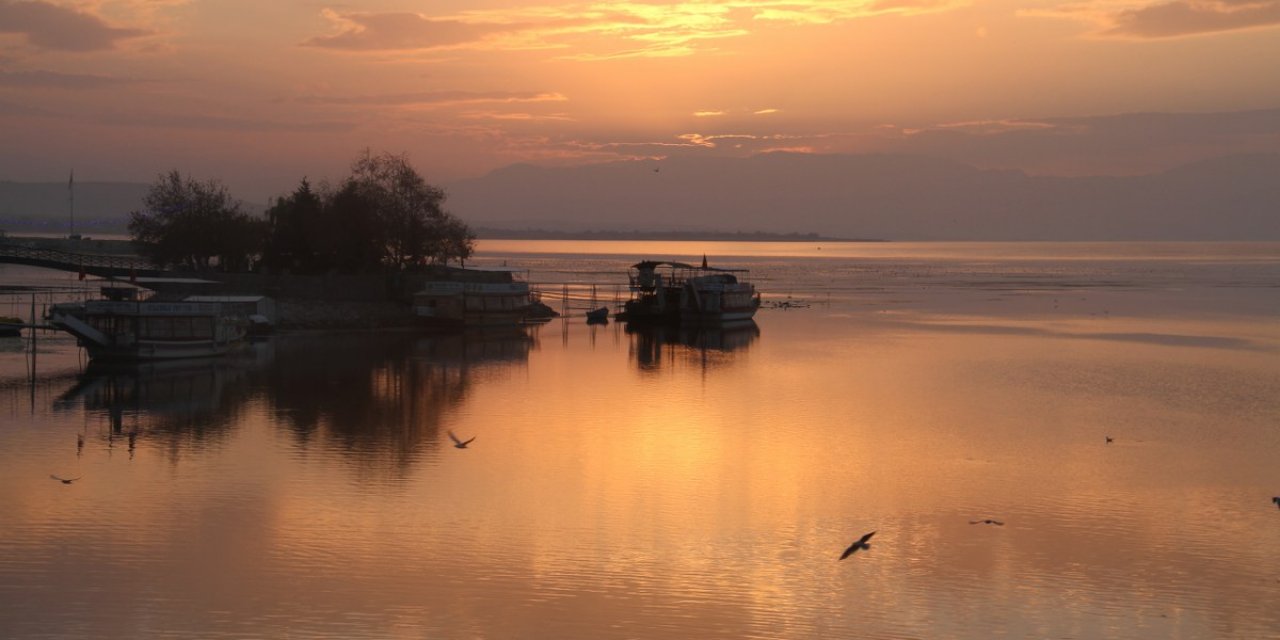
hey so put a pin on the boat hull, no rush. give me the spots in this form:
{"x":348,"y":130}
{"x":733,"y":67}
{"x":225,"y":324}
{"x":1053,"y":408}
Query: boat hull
{"x":141,"y":331}
{"x":689,"y":295}
{"x":458,"y":304}
{"x":146,"y":350}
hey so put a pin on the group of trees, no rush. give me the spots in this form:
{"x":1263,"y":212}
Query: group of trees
{"x":382,"y":216}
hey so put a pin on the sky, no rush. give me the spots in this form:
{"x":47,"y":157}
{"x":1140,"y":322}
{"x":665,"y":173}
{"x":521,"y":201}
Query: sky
{"x":260,"y":94}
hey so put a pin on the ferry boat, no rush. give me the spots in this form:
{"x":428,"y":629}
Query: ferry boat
{"x":679,"y":292}
{"x":462,"y":298}
{"x":125,"y":327}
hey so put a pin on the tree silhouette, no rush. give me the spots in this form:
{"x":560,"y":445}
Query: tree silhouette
{"x":195,"y":225}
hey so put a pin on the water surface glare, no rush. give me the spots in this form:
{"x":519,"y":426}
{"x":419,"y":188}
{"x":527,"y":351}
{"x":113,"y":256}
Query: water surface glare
{"x":685,"y":484}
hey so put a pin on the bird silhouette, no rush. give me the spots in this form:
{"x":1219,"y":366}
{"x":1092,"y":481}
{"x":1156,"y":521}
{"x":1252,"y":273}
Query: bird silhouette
{"x":1277,"y":501}
{"x":460,"y":444}
{"x":65,"y":480}
{"x":1109,"y":439}
{"x":860,"y":544}
{"x":987,"y":521}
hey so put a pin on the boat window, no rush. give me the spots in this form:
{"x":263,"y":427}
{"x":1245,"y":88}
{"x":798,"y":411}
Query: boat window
{"x":158,"y":327}
{"x":182,"y":327}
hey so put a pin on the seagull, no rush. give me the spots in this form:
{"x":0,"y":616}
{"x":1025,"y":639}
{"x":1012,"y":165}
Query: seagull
{"x":461,"y":444}
{"x":1109,"y":439}
{"x":987,"y":521}
{"x":65,"y":480}
{"x":860,"y":544}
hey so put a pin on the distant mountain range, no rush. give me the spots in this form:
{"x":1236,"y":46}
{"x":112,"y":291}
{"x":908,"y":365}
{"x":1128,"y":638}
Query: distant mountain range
{"x":896,"y":197}
{"x":899,"y":197}
{"x":100,"y":207}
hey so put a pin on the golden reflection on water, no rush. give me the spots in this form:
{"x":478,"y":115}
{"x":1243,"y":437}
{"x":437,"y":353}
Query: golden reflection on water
{"x":660,"y":484}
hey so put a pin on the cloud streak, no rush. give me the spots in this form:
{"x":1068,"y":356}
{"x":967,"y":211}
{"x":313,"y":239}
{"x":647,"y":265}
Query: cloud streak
{"x":1194,"y":17}
{"x":221,"y":123}
{"x":399,"y":31}
{"x":53,"y":27}
{"x":437,"y":98}
{"x":55,"y":80}
{"x":1172,"y":19}
{"x":600,"y":31}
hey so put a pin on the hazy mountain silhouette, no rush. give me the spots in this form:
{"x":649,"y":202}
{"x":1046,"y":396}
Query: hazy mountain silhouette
{"x":100,"y":207}
{"x":898,"y":197}
{"x":886,"y":196}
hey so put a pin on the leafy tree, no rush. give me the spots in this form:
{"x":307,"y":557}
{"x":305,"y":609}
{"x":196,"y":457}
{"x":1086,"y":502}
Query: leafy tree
{"x":383,"y":216}
{"x":295,"y":226}
{"x":452,"y":239}
{"x":195,"y":225}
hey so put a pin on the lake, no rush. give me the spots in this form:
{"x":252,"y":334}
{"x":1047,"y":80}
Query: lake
{"x":1114,"y":406}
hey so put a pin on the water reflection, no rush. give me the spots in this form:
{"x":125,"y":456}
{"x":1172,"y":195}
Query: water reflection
{"x":381,"y":397}
{"x":176,"y":404}
{"x":622,"y":487}
{"x":655,"y":346}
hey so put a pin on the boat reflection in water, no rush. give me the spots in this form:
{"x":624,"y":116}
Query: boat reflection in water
{"x":381,"y":400}
{"x":195,"y":396}
{"x":654,"y":346}
{"x":383,"y":395}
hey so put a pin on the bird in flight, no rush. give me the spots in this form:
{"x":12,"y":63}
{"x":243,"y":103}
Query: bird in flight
{"x":65,"y":480}
{"x":460,"y":444}
{"x":987,"y":521}
{"x":860,"y":544}
{"x":1109,"y":439}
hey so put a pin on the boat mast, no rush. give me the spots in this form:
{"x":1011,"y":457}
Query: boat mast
{"x":71,"y":204}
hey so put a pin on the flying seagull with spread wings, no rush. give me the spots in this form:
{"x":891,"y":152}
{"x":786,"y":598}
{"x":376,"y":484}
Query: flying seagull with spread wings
{"x":860,"y":544}
{"x":460,"y":444}
{"x":987,"y":521}
{"x":65,"y":480}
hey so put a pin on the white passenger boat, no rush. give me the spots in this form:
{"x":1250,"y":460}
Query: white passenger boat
{"x":124,"y":327}
{"x":679,"y":292}
{"x":474,"y":298}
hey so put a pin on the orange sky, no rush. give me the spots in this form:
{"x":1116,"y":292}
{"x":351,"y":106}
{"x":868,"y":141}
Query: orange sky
{"x":259,"y":94}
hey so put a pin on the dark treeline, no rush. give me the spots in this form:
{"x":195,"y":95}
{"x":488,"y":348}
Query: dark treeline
{"x":384,"y":216}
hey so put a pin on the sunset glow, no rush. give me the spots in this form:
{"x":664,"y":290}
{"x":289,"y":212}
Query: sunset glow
{"x":261,"y":95}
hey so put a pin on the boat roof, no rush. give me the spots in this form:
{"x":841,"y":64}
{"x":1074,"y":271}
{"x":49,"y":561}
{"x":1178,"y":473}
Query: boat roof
{"x":224,"y":298}
{"x":494,"y":269}
{"x":650,"y":264}
{"x":145,"y":280}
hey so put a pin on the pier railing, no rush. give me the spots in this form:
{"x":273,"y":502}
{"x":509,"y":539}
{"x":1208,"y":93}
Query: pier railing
{"x":97,"y":264}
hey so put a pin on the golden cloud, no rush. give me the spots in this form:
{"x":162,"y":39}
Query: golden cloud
{"x":598,"y":31}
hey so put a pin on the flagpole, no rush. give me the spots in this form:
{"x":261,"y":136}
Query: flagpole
{"x":71,"y":197}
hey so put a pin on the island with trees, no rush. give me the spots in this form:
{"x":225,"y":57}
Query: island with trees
{"x":337,"y":255}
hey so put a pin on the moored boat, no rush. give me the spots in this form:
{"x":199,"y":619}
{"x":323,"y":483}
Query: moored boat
{"x":474,"y":298}
{"x":599,"y":315}
{"x":679,"y":292}
{"x":10,"y":326}
{"x":125,"y":327}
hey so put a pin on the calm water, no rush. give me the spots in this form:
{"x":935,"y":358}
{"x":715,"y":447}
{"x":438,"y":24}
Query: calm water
{"x":684,"y":485}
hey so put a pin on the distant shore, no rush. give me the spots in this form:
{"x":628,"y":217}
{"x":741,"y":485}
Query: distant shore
{"x":115,"y":244}
{"x":487,"y":233}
